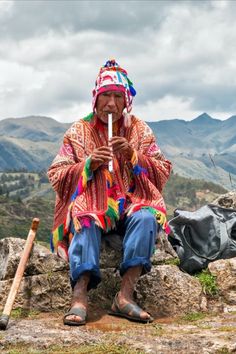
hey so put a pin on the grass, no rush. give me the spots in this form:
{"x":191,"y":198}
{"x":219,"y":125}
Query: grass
{"x":208,"y":283}
{"x":223,"y":350}
{"x":23,"y":313}
{"x":171,"y":261}
{"x":158,"y":330}
{"x":227,"y":329}
{"x":101,"y":348}
{"x":193,"y":316}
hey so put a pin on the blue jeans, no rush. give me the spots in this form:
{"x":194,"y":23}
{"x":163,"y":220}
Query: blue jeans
{"x":139,"y":231}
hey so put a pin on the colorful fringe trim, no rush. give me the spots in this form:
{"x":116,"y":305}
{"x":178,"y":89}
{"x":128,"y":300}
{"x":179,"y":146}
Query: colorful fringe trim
{"x":158,"y":213}
{"x":106,"y":221}
{"x":115,"y":207}
{"x":85,"y":177}
{"x":137,"y":169}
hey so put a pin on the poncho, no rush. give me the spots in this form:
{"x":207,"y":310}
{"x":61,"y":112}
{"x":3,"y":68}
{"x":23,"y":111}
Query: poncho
{"x":83,"y":195}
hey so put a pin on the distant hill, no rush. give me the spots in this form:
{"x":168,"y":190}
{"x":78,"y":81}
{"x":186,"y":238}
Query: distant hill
{"x":203,"y":148}
{"x":27,"y":195}
{"x":29,"y":143}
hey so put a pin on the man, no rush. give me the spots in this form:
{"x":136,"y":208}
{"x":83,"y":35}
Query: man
{"x":91,"y":200}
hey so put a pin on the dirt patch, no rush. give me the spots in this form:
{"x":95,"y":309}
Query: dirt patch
{"x":45,"y":333}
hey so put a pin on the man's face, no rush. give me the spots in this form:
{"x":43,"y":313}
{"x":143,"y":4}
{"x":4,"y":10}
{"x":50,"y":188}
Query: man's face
{"x":110,"y":102}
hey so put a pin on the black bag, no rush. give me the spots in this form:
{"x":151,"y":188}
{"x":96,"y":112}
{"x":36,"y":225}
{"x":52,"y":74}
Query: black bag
{"x":203,"y":236}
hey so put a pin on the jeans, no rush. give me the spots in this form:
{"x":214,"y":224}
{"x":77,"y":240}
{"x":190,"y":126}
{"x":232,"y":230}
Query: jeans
{"x":139,"y":231}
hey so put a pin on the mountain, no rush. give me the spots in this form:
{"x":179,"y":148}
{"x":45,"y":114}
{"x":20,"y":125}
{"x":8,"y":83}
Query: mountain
{"x":202,"y":148}
{"x":29,"y":143}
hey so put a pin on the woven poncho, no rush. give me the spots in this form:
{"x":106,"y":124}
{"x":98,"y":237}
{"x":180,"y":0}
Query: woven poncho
{"x":84,"y":196}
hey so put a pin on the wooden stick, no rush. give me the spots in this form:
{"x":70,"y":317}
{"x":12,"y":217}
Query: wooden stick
{"x":19,"y":274}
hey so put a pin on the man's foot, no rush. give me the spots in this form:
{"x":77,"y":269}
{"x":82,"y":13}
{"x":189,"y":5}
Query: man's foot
{"x":78,"y":312}
{"x":129,"y":309}
{"x":76,"y":316}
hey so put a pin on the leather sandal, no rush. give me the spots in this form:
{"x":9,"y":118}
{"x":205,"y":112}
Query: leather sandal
{"x":129,"y":311}
{"x":77,"y":311}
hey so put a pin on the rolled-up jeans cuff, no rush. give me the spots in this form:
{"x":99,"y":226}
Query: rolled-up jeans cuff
{"x":138,"y":261}
{"x":95,"y":275}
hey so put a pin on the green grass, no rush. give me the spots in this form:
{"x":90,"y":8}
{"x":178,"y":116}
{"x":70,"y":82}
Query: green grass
{"x":171,"y":261}
{"x":23,"y":313}
{"x":158,"y":330}
{"x":227,"y":329}
{"x":109,"y":348}
{"x":193,"y":316}
{"x":223,"y":350}
{"x":208,"y":283}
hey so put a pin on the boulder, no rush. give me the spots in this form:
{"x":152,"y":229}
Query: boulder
{"x":227,"y":200}
{"x":225,"y":272}
{"x":165,"y":291}
{"x":42,"y":292}
{"x":41,"y":259}
{"x":45,"y":285}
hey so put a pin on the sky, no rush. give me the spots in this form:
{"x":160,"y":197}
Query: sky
{"x":180,"y":56}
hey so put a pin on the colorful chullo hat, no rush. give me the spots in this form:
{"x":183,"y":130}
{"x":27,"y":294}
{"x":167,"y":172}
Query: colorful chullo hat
{"x":112,"y":77}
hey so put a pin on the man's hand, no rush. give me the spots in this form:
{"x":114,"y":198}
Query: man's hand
{"x":121,"y":145}
{"x":100,"y":156}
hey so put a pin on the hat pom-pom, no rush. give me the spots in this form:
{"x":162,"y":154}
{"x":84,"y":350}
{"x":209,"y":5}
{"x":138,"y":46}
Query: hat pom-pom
{"x":132,"y":91}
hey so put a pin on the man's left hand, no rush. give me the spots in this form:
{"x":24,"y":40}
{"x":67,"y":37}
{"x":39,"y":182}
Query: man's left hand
{"x":121,"y":145}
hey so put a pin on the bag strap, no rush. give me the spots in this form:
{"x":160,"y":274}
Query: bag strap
{"x":223,"y":242}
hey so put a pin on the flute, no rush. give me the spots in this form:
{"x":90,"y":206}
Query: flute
{"x":110,"y":164}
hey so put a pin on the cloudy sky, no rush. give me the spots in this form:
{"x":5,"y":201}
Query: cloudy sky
{"x":180,"y":55}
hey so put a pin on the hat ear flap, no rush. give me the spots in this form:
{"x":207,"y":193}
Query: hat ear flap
{"x":127,"y":119}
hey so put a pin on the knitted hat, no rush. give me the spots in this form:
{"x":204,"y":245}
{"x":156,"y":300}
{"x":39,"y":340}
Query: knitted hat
{"x":112,"y":77}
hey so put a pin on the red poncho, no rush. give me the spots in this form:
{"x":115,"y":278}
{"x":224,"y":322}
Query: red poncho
{"x":101,"y":196}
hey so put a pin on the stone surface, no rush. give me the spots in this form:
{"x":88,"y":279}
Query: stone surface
{"x":225,"y":272}
{"x":41,"y":259}
{"x":164,"y":252}
{"x":111,"y":251}
{"x":227,"y":200}
{"x":106,"y":334}
{"x":41,"y":292}
{"x":166,"y":291}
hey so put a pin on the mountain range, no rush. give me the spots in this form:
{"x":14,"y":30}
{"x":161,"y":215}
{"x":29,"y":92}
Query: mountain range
{"x":203,"y":148}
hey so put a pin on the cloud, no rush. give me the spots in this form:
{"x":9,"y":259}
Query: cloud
{"x":180,"y":55}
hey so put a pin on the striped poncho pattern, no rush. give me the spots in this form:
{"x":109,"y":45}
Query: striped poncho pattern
{"x":82,"y":195}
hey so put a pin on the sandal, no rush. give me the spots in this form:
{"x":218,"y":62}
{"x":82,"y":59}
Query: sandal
{"x":129,"y":311}
{"x":77,"y":311}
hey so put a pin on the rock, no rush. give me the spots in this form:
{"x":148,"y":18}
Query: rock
{"x":41,"y":259}
{"x":225,"y":272}
{"x":111,"y":251}
{"x":45,"y":285}
{"x":166,"y":291}
{"x":227,"y":200}
{"x":45,"y":333}
{"x":164,"y":252}
{"x":42,"y":292}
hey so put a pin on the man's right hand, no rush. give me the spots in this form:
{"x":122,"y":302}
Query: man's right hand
{"x":100,"y":156}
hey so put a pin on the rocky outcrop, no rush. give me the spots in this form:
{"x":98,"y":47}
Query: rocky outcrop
{"x":227,"y":200}
{"x":41,"y":260}
{"x":46,"y":286}
{"x":225,"y":272}
{"x":165,"y":291}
